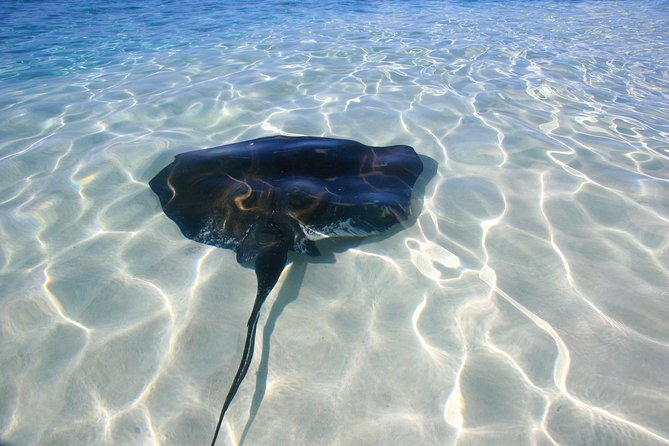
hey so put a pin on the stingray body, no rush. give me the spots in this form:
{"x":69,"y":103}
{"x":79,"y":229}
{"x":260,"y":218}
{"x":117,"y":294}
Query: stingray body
{"x":264,"y":197}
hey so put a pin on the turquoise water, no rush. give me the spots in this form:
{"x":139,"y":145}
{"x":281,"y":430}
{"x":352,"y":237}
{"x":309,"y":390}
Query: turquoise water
{"x":527,"y":304}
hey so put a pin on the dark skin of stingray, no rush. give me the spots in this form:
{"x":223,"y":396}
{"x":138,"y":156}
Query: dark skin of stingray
{"x":264,"y":197}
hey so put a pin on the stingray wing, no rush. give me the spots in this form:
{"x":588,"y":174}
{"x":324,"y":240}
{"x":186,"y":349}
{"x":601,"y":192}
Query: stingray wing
{"x":330,"y":187}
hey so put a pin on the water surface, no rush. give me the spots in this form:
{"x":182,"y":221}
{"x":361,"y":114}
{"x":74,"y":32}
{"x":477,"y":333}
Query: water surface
{"x":527,"y":304}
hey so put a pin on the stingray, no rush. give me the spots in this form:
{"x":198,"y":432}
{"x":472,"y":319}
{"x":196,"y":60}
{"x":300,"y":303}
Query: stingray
{"x":266,"y":197}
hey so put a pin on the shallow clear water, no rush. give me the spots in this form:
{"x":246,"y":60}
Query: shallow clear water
{"x":527,"y":303}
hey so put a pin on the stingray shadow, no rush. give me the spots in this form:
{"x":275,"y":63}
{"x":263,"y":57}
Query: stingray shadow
{"x":291,"y":285}
{"x":288,"y":293}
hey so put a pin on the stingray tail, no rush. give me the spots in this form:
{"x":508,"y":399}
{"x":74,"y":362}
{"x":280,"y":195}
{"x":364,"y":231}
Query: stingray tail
{"x":269,"y":265}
